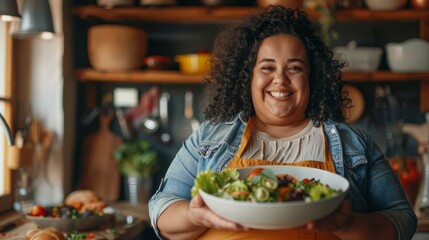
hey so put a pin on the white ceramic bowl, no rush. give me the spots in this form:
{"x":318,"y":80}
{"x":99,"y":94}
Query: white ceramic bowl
{"x":359,"y":58}
{"x":411,"y":55}
{"x":385,"y":5}
{"x":282,"y":214}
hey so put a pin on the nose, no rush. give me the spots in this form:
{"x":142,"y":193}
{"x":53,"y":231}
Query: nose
{"x":281,"y":78}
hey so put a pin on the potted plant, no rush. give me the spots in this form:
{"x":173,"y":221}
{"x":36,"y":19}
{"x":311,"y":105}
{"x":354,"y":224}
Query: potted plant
{"x":326,"y":9}
{"x":137,"y":162}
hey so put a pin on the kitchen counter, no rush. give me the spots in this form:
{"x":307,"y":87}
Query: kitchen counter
{"x":138,"y":218}
{"x":130,"y":223}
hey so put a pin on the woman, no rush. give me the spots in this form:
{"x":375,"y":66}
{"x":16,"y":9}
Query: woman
{"x":277,"y":100}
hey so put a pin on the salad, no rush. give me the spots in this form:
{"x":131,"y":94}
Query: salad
{"x":261,"y":185}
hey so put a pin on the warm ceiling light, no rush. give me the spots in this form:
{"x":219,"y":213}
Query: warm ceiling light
{"x":36,"y":20}
{"x":9,"y":10}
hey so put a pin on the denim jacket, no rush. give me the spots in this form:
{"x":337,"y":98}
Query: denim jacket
{"x":374,"y":187}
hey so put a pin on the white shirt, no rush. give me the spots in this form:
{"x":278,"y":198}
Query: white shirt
{"x":308,"y":144}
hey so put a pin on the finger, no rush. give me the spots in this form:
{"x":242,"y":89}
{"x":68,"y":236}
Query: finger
{"x":311,"y":225}
{"x":346,"y":207}
{"x":339,"y":219}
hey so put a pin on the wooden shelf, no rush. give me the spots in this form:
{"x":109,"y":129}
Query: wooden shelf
{"x":164,"y":14}
{"x":175,"y":77}
{"x":209,"y":14}
{"x":384,"y":76}
{"x":155,"y":77}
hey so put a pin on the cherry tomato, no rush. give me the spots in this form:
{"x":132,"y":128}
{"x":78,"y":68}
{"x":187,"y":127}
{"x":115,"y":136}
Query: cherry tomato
{"x":396,"y":166}
{"x":409,"y":175}
{"x":305,"y":180}
{"x":90,"y":236}
{"x":254,"y":172}
{"x":37,"y":211}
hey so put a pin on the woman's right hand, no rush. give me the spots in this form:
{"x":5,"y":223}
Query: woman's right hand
{"x":200,"y":215}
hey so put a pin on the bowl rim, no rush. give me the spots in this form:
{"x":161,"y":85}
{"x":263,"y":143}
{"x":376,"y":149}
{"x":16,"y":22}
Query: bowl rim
{"x":287,"y":203}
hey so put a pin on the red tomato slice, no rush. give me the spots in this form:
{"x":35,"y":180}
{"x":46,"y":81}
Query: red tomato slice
{"x":305,"y":180}
{"x":254,"y":172}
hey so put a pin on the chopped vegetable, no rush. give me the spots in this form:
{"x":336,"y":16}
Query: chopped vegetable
{"x":261,"y":185}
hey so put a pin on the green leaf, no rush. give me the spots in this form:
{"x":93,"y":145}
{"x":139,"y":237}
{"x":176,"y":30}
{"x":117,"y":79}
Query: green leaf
{"x":136,"y":158}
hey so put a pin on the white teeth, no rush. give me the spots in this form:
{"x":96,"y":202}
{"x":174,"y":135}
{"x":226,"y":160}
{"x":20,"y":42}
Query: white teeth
{"x":280,"y":94}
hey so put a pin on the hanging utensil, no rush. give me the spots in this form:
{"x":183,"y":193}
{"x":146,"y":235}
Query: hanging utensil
{"x":165,"y":136}
{"x":26,"y":127}
{"x":150,"y":124}
{"x":190,"y":123}
{"x":123,"y":125}
{"x":35,"y":132}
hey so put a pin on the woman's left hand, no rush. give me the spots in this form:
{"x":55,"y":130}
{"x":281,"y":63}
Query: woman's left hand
{"x":340,"y":220}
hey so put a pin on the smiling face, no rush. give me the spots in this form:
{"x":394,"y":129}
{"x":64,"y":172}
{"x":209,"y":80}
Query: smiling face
{"x":280,"y":84}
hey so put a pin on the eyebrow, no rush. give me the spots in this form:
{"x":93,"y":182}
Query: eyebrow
{"x":289,"y":60}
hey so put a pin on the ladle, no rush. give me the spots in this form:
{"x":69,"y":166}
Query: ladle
{"x":165,"y":136}
{"x":150,"y":124}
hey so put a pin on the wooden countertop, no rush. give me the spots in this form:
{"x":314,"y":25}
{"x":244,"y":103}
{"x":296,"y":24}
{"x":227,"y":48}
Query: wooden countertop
{"x":131,"y":220}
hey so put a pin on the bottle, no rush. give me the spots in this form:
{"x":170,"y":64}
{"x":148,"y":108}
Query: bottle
{"x":24,"y":192}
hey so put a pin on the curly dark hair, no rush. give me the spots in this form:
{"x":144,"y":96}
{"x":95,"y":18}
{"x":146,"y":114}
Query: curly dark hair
{"x":234,"y":56}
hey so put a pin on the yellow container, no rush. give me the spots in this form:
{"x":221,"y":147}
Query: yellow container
{"x":198,"y":63}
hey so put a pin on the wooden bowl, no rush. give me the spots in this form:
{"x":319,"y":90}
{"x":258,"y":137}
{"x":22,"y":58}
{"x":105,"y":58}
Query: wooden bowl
{"x":116,"y":47}
{"x":287,"y":4}
{"x":354,"y":113}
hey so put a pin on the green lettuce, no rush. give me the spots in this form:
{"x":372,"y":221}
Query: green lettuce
{"x":212,"y":182}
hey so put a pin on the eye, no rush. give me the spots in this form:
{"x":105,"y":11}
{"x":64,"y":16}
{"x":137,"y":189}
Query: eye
{"x":296,"y":68}
{"x":267,"y":68}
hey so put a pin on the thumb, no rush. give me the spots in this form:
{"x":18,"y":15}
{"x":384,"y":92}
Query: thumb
{"x":197,"y":202}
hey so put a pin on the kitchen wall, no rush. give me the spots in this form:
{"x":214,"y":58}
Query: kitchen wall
{"x":38,"y":69}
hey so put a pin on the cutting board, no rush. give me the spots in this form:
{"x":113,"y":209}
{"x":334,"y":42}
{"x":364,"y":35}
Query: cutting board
{"x":100,"y":171}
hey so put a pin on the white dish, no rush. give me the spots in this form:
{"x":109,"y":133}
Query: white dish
{"x":385,"y":5}
{"x":359,"y":58}
{"x":282,"y":214}
{"x":411,"y":55}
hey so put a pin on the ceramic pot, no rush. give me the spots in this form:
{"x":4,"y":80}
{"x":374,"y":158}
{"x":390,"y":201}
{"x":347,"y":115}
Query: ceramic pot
{"x":420,"y":4}
{"x":287,"y":4}
{"x":112,"y":3}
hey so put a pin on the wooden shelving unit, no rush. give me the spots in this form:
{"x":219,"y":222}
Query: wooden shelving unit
{"x":156,"y":77}
{"x":208,"y":14}
{"x":200,"y":14}
{"x":175,"y":77}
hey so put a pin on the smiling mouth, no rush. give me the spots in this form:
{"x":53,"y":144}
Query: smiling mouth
{"x":280,"y":94}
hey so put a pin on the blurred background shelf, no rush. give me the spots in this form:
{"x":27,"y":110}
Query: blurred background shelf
{"x":200,"y":13}
{"x":148,"y":76}
{"x":175,"y":77}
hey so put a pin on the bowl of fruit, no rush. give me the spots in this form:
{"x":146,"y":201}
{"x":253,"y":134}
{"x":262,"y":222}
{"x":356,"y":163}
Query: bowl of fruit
{"x":271,"y":197}
{"x":75,"y":214}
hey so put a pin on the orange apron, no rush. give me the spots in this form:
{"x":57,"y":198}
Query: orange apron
{"x":283,"y":234}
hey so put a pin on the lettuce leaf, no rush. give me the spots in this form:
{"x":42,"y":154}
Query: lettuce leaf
{"x":211,"y":182}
